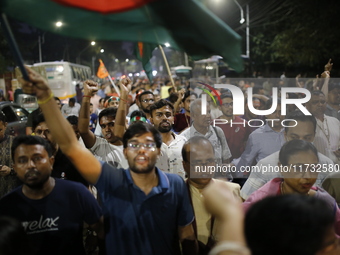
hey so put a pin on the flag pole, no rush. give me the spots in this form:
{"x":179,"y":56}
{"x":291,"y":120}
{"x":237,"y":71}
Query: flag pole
{"x":13,"y":45}
{"x":114,"y":85}
{"x":167,"y":67}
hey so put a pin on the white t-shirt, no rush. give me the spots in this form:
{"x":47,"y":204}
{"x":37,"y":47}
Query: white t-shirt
{"x":170,"y":160}
{"x":66,"y":110}
{"x":112,"y":154}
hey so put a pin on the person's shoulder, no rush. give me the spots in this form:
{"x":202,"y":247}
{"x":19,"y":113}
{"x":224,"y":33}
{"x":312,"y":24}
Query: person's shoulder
{"x":270,"y":159}
{"x":174,"y":180}
{"x":323,"y":194}
{"x":180,"y":138}
{"x":332,"y":119}
{"x":68,"y":185}
{"x":324,"y":159}
{"x":186,"y":133}
{"x":10,"y":198}
{"x":230,"y":185}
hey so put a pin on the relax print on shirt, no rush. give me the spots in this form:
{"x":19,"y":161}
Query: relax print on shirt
{"x":43,"y":225}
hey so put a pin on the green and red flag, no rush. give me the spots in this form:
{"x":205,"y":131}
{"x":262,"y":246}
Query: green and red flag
{"x":143,"y":52}
{"x":187,"y":25}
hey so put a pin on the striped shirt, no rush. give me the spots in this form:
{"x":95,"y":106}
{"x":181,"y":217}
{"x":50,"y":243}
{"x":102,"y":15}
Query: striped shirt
{"x":327,"y":137}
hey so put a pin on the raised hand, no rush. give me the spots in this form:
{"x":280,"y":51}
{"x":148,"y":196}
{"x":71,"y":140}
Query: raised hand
{"x":329,"y":65}
{"x":326,"y":74}
{"x":125,"y":86}
{"x":36,"y":85}
{"x":90,"y":88}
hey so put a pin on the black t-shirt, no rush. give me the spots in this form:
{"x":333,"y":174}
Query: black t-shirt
{"x":54,"y":224}
{"x":64,"y":169}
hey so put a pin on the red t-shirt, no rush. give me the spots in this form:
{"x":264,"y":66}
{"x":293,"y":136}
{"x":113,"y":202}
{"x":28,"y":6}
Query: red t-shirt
{"x":236,"y":135}
{"x":181,"y":122}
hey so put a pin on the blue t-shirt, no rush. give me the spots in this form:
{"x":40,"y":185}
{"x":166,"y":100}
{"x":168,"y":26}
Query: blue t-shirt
{"x":54,"y":224}
{"x":143,"y":224}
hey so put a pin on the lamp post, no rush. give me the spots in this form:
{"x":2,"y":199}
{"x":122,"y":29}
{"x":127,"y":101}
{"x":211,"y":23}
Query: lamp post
{"x":242,"y":20}
{"x":41,"y":39}
{"x":78,"y":57}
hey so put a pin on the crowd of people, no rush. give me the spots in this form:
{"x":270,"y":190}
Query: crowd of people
{"x":132,"y":172}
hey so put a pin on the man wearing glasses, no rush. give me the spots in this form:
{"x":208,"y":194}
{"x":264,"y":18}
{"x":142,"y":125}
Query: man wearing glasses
{"x":146,"y":99}
{"x":145,"y":210}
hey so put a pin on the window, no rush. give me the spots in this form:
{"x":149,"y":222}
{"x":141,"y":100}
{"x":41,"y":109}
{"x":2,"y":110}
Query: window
{"x":21,"y":113}
{"x":10,"y":115}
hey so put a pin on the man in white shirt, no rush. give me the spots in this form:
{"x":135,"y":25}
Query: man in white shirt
{"x":162,"y":117}
{"x":72,"y":108}
{"x":201,"y":127}
{"x":112,"y":122}
{"x":327,"y":137}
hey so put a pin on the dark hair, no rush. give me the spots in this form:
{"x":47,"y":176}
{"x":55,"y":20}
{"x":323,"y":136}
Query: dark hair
{"x":294,"y":146}
{"x":111,"y":112}
{"x":268,"y":104}
{"x":30,"y":140}
{"x":3,"y":117}
{"x":256,"y":89}
{"x":173,"y":97}
{"x":188,"y":94}
{"x":226,"y":95}
{"x":137,"y":113}
{"x":300,"y":117}
{"x":57,"y":99}
{"x":333,"y":86}
{"x":159,"y":104}
{"x":72,"y":100}
{"x":102,"y":99}
{"x":193,"y":140}
{"x":170,"y":89}
{"x":72,"y":119}
{"x":317,"y":93}
{"x":37,"y":119}
{"x":287,"y":224}
{"x":140,"y":128}
{"x":13,"y":238}
{"x":147,"y":92}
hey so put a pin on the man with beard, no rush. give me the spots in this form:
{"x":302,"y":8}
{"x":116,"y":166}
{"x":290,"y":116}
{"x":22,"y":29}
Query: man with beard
{"x":62,"y":166}
{"x":52,"y":211}
{"x":146,"y":211}
{"x":111,"y":121}
{"x":162,"y":117}
{"x":146,"y":99}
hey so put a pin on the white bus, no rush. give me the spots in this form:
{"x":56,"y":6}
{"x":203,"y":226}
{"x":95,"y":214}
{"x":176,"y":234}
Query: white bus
{"x":63,"y":76}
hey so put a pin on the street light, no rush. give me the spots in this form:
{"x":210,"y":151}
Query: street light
{"x":59,"y":23}
{"x":78,"y":57}
{"x":241,"y":10}
{"x":41,"y":39}
{"x":242,"y":20}
{"x":101,"y":50}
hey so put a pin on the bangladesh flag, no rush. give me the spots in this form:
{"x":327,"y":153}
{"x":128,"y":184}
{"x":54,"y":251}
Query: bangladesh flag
{"x":143,"y":52}
{"x":187,"y":25}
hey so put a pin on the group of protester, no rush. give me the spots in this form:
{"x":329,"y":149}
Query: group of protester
{"x":144,"y":185}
